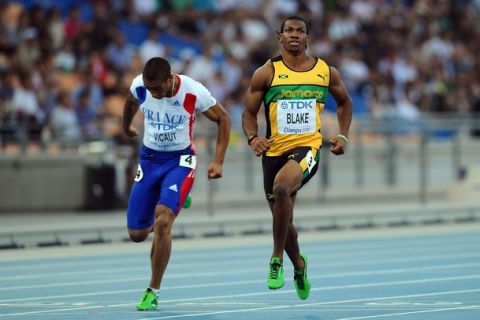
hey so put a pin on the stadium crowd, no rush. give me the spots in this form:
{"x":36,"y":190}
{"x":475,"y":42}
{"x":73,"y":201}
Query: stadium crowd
{"x":65,"y":66}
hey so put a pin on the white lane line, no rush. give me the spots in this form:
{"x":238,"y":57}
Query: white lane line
{"x":355,"y":286}
{"x":111,"y":271}
{"x":237,"y":272}
{"x":131,"y":279}
{"x":222,"y":303}
{"x":318,"y":304}
{"x":324,"y":249}
{"x":49,"y":311}
{"x":218,"y":312}
{"x":410,"y":312}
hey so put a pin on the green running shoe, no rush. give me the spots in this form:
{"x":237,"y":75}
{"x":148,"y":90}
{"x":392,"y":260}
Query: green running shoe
{"x":188,"y":202}
{"x":302,"y":285}
{"x":275,"y":276}
{"x":148,"y":301}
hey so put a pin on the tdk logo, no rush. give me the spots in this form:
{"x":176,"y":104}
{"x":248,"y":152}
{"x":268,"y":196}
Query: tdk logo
{"x":298,"y":104}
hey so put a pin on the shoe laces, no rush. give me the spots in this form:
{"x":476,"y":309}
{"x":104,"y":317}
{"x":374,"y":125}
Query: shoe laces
{"x":299,"y":280}
{"x":275,"y":270}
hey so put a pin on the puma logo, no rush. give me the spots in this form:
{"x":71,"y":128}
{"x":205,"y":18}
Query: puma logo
{"x":320,"y":76}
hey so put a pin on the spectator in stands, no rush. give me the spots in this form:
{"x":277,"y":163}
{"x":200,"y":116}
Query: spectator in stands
{"x":151,"y":47}
{"x":119,"y":54}
{"x":89,"y":84}
{"x":86,"y":116}
{"x":28,"y":50}
{"x":73,"y":23}
{"x":26,"y":108}
{"x":65,"y":58}
{"x":56,"y":28}
{"x":64,"y":123}
{"x":8,"y":125}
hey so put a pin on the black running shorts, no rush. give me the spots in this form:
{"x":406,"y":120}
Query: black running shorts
{"x":307,"y":157}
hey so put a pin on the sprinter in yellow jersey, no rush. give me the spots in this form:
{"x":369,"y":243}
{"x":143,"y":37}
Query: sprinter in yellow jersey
{"x":293,"y":88}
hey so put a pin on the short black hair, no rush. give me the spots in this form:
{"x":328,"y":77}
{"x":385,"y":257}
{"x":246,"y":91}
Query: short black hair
{"x":156,"y":69}
{"x":294,"y":18}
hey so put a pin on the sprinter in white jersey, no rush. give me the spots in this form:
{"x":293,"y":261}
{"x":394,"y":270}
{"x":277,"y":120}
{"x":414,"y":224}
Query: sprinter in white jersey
{"x":166,"y":170}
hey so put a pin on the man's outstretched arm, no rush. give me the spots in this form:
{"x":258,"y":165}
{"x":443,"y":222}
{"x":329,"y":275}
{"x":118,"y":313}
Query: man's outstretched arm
{"x":218,"y":114}
{"x":129,"y":110}
{"x":253,"y":102}
{"x":344,"y":111}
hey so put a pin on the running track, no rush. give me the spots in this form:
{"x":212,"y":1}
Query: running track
{"x":425,"y":273}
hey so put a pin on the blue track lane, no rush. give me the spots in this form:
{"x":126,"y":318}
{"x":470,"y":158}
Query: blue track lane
{"x":435,"y":276}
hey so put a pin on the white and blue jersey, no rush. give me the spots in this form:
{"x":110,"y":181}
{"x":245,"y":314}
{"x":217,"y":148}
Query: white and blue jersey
{"x":169,"y":121}
{"x":166,"y":170}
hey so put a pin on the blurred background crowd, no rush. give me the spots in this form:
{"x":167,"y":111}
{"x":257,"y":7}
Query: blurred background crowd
{"x":66,"y":66}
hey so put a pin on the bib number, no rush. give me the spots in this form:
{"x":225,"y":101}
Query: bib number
{"x":189,"y":161}
{"x":139,"y":175}
{"x":296,"y":116}
{"x":310,"y":161}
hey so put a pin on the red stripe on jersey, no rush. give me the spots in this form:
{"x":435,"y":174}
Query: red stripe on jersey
{"x":189,"y":103}
{"x":185,"y":189}
{"x":189,"y":106}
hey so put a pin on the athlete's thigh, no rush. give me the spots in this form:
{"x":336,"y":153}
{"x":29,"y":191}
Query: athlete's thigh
{"x":290,"y":175}
{"x":307,"y":158}
{"x":144,"y":195}
{"x":176,"y":186}
{"x":301,"y":165}
{"x":271,"y":166}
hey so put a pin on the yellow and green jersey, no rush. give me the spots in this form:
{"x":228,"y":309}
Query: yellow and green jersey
{"x":293,"y":104}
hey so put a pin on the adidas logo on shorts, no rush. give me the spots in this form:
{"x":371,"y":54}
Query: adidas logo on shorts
{"x":173,"y":188}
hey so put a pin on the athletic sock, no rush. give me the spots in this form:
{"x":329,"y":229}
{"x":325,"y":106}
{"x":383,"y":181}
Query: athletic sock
{"x":154,"y":290}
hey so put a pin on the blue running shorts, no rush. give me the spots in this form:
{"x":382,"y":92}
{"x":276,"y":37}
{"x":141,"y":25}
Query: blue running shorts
{"x":163,"y":177}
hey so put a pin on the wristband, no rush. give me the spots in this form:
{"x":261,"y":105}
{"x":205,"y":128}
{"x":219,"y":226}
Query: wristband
{"x":251,"y":138}
{"x":344,"y":138}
